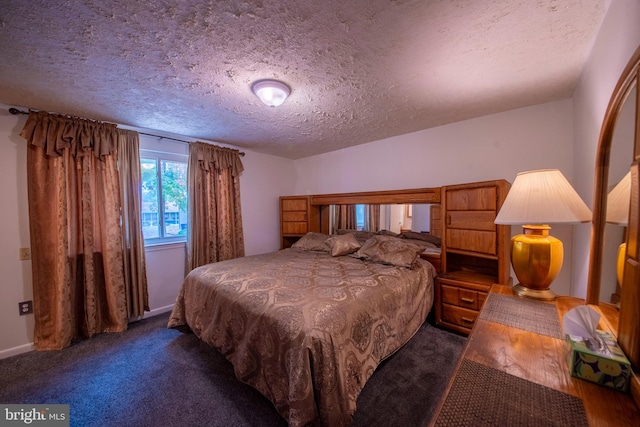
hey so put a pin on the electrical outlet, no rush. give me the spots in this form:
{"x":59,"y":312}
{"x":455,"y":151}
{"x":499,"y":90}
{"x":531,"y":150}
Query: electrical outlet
{"x":24,"y":254}
{"x":25,"y":307}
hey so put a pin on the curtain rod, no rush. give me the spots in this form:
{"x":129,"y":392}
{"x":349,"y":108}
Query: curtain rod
{"x":15,"y":112}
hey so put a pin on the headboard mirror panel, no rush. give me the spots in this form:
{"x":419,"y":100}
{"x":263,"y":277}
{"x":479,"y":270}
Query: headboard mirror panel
{"x":326,"y":202}
{"x":618,"y":148}
{"x":398,"y":217}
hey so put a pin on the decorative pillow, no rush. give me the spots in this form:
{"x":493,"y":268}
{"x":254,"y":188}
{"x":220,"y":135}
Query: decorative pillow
{"x":389,"y":250}
{"x":361,"y":236}
{"x":342,"y":245}
{"x":422,"y":236}
{"x":388,"y":233}
{"x":422,"y":243}
{"x":312,"y":242}
{"x":342,"y":231}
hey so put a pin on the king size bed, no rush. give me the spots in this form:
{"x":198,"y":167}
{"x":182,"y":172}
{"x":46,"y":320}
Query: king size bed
{"x":307,"y":326}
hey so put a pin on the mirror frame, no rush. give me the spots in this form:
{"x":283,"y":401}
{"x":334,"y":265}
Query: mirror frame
{"x":621,"y":92}
{"x":626,"y":332}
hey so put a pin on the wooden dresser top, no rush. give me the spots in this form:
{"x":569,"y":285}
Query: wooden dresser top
{"x":542,"y":359}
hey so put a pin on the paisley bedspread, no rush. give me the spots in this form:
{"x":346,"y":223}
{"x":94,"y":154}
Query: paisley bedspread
{"x":304,"y":328}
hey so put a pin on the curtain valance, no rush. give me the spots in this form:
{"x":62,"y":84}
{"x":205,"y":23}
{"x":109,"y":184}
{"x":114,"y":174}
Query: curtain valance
{"x":218,"y":158}
{"x":55,"y":133}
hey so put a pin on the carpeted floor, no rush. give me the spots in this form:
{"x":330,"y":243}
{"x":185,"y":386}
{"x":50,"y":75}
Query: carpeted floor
{"x":154,"y":376}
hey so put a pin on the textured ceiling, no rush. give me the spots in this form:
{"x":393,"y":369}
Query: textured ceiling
{"x":360,"y":70}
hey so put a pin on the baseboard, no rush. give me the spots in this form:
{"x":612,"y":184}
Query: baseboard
{"x":157,"y":311}
{"x":16,"y":350}
{"x":29,"y":347}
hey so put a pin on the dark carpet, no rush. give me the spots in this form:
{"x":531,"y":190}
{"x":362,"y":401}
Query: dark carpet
{"x":154,"y":376}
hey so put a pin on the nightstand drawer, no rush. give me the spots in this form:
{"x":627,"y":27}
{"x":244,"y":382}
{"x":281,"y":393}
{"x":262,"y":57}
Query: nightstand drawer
{"x":290,"y":227}
{"x":294,"y":204}
{"x":295,"y":216}
{"x":459,"y":297}
{"x":466,"y":298}
{"x":458,"y":315}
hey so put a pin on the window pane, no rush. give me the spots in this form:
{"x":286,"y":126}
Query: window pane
{"x":360,"y":217}
{"x":150,"y":223}
{"x":174,"y":195}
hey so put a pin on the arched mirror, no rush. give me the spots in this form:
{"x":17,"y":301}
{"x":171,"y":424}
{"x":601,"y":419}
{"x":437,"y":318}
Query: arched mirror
{"x":618,"y":147}
{"x":618,"y":195}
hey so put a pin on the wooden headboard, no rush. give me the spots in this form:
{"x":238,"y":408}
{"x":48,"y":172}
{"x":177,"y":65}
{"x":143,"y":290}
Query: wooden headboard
{"x":471,"y":210}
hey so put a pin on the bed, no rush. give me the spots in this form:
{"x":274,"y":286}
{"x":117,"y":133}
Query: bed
{"x":307,"y":326}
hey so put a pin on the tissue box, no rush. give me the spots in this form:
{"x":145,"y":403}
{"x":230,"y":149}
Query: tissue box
{"x":610,"y":369}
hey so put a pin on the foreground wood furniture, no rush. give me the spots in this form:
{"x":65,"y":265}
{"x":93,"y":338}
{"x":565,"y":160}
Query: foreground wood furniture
{"x":459,"y":296}
{"x":435,"y":260}
{"x":435,"y":213}
{"x":296,"y":219}
{"x":475,"y":251}
{"x":542,"y":360}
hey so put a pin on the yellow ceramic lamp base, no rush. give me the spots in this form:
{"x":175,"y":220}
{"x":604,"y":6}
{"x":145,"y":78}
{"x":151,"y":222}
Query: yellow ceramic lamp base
{"x":537,"y":259}
{"x":622,"y":255}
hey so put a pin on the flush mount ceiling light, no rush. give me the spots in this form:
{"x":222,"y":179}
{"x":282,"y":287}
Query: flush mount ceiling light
{"x":271,"y":92}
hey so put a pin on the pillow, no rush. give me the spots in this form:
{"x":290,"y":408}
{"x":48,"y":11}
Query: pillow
{"x":389,"y":250}
{"x":344,"y":244}
{"x":361,"y":236}
{"x":388,"y":233}
{"x":422,"y":243}
{"x":312,"y":242}
{"x":346,"y":231}
{"x":422,"y":236}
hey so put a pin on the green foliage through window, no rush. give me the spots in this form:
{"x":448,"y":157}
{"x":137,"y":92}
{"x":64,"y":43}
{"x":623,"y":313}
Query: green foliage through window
{"x":164,"y":184}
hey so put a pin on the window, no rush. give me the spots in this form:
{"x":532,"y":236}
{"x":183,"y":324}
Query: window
{"x":164,"y":197}
{"x":360,"y":217}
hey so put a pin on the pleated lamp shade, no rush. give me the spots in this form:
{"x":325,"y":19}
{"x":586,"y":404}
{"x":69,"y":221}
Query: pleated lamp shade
{"x":618,"y":202}
{"x":542,"y":197}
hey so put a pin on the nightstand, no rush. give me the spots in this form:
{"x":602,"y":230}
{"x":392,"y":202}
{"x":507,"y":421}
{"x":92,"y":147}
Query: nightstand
{"x":459,"y":298}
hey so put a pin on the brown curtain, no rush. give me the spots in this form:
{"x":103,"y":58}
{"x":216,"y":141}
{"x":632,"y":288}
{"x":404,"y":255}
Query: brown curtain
{"x":134,"y":264}
{"x":74,"y":218}
{"x":345,"y":217}
{"x":372,"y":222}
{"x":215,"y":219}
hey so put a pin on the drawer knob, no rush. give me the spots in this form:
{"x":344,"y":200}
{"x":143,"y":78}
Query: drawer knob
{"x":467,"y":300}
{"x":466,"y":320}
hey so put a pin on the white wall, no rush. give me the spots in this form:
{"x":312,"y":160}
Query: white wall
{"x":16,"y":332}
{"x":491,"y":147}
{"x":618,"y":38}
{"x":265,"y":179}
{"x":421,"y":220}
{"x":487,"y":148}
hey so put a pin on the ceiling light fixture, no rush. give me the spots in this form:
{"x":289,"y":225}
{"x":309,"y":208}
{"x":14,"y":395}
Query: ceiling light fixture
{"x":271,"y":92}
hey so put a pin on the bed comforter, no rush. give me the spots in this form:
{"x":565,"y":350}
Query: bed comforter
{"x":304,"y":328}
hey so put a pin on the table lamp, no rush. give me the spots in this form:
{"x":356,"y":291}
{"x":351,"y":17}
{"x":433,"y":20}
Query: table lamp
{"x":536,"y":199}
{"x":618,"y":213}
